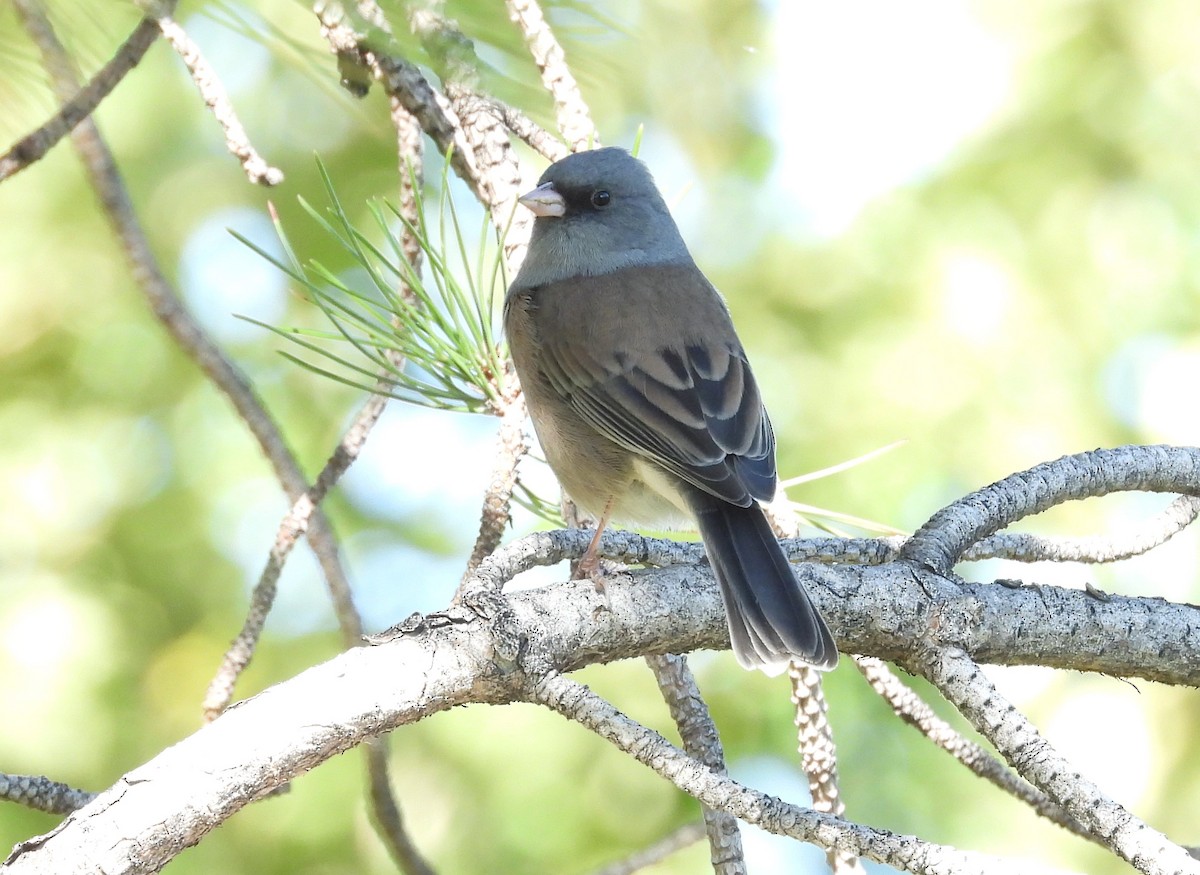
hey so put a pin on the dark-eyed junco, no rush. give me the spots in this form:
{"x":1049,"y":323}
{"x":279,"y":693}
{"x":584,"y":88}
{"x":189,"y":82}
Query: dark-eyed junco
{"x":642,"y":397}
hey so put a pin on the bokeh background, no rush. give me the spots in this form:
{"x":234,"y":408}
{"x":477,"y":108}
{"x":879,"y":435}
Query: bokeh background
{"x":971,"y":226}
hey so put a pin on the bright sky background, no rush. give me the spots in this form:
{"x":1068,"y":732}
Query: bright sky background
{"x":871,"y":94}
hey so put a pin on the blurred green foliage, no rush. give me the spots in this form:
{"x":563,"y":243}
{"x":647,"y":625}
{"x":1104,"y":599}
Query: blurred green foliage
{"x":1034,"y":291}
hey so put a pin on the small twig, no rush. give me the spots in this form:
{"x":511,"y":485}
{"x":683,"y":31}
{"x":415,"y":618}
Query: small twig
{"x":908,"y":853}
{"x":942,"y":541}
{"x":965,"y":685}
{"x":402,"y":81}
{"x":411,"y":150}
{"x":386,"y":812}
{"x":550,"y":548}
{"x":574,"y":120}
{"x":1134,"y":540}
{"x":41,"y":794}
{"x":385,"y":809}
{"x":701,"y":742}
{"x":482,"y":127}
{"x":818,"y":751}
{"x":818,"y":755}
{"x":914,"y":711}
{"x":511,"y":446}
{"x":686,"y":835}
{"x":83,"y":102}
{"x":217,"y":100}
{"x":530,"y":132}
{"x":165,"y":304}
{"x":295,"y":524}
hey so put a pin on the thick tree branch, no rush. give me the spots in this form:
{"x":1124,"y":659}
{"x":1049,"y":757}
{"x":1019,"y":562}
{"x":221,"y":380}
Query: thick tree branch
{"x":882,"y":609}
{"x":477,"y":652}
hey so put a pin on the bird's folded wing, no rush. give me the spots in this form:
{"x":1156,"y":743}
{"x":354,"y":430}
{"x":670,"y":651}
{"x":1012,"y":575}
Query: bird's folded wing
{"x":696,"y":411}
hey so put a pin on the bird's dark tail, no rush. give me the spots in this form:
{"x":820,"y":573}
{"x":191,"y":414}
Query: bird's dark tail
{"x":771,"y":620}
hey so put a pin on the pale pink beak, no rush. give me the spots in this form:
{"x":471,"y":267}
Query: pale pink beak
{"x":544,"y":201}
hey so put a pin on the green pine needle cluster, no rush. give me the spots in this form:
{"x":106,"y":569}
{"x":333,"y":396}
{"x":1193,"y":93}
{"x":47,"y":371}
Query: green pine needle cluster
{"x":425,"y":337}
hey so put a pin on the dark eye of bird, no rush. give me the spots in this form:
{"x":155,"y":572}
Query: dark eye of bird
{"x":601,"y":198}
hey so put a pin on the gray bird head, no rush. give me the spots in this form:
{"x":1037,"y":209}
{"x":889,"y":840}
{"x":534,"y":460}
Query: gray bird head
{"x":597,"y":212}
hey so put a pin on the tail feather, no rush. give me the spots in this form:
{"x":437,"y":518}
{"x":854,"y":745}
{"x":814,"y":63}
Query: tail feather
{"x":771,"y":620}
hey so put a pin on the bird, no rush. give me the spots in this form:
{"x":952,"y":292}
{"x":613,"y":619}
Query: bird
{"x":642,"y":396}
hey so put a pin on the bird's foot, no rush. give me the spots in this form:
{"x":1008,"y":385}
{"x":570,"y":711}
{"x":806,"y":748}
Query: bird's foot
{"x":588,"y":567}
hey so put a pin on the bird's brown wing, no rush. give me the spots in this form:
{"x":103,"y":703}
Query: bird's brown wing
{"x":694,"y":409}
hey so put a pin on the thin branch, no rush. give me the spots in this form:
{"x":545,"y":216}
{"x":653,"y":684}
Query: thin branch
{"x":574,"y":119}
{"x":78,"y":103}
{"x":385,"y":808}
{"x":701,"y":742}
{"x":500,"y":186}
{"x":958,"y":677}
{"x":482,"y":126}
{"x":412,"y":99}
{"x":1132,"y":540}
{"x":818,"y":755}
{"x":298,"y":520}
{"x":402,"y":81}
{"x":511,"y":446}
{"x":385,"y":812}
{"x":41,"y":794}
{"x":217,"y":100}
{"x":907,"y":853}
{"x":495,"y":180}
{"x":914,"y":711}
{"x":942,"y":541}
{"x":295,"y":524}
{"x":818,"y":751}
{"x":530,"y":132}
{"x":410,"y":148}
{"x":688,"y":834}
{"x":165,"y":304}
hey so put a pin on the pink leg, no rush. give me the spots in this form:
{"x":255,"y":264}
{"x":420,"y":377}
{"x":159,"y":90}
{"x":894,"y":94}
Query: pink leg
{"x":589,"y":562}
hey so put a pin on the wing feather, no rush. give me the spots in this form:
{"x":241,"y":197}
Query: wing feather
{"x":707,"y":425}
